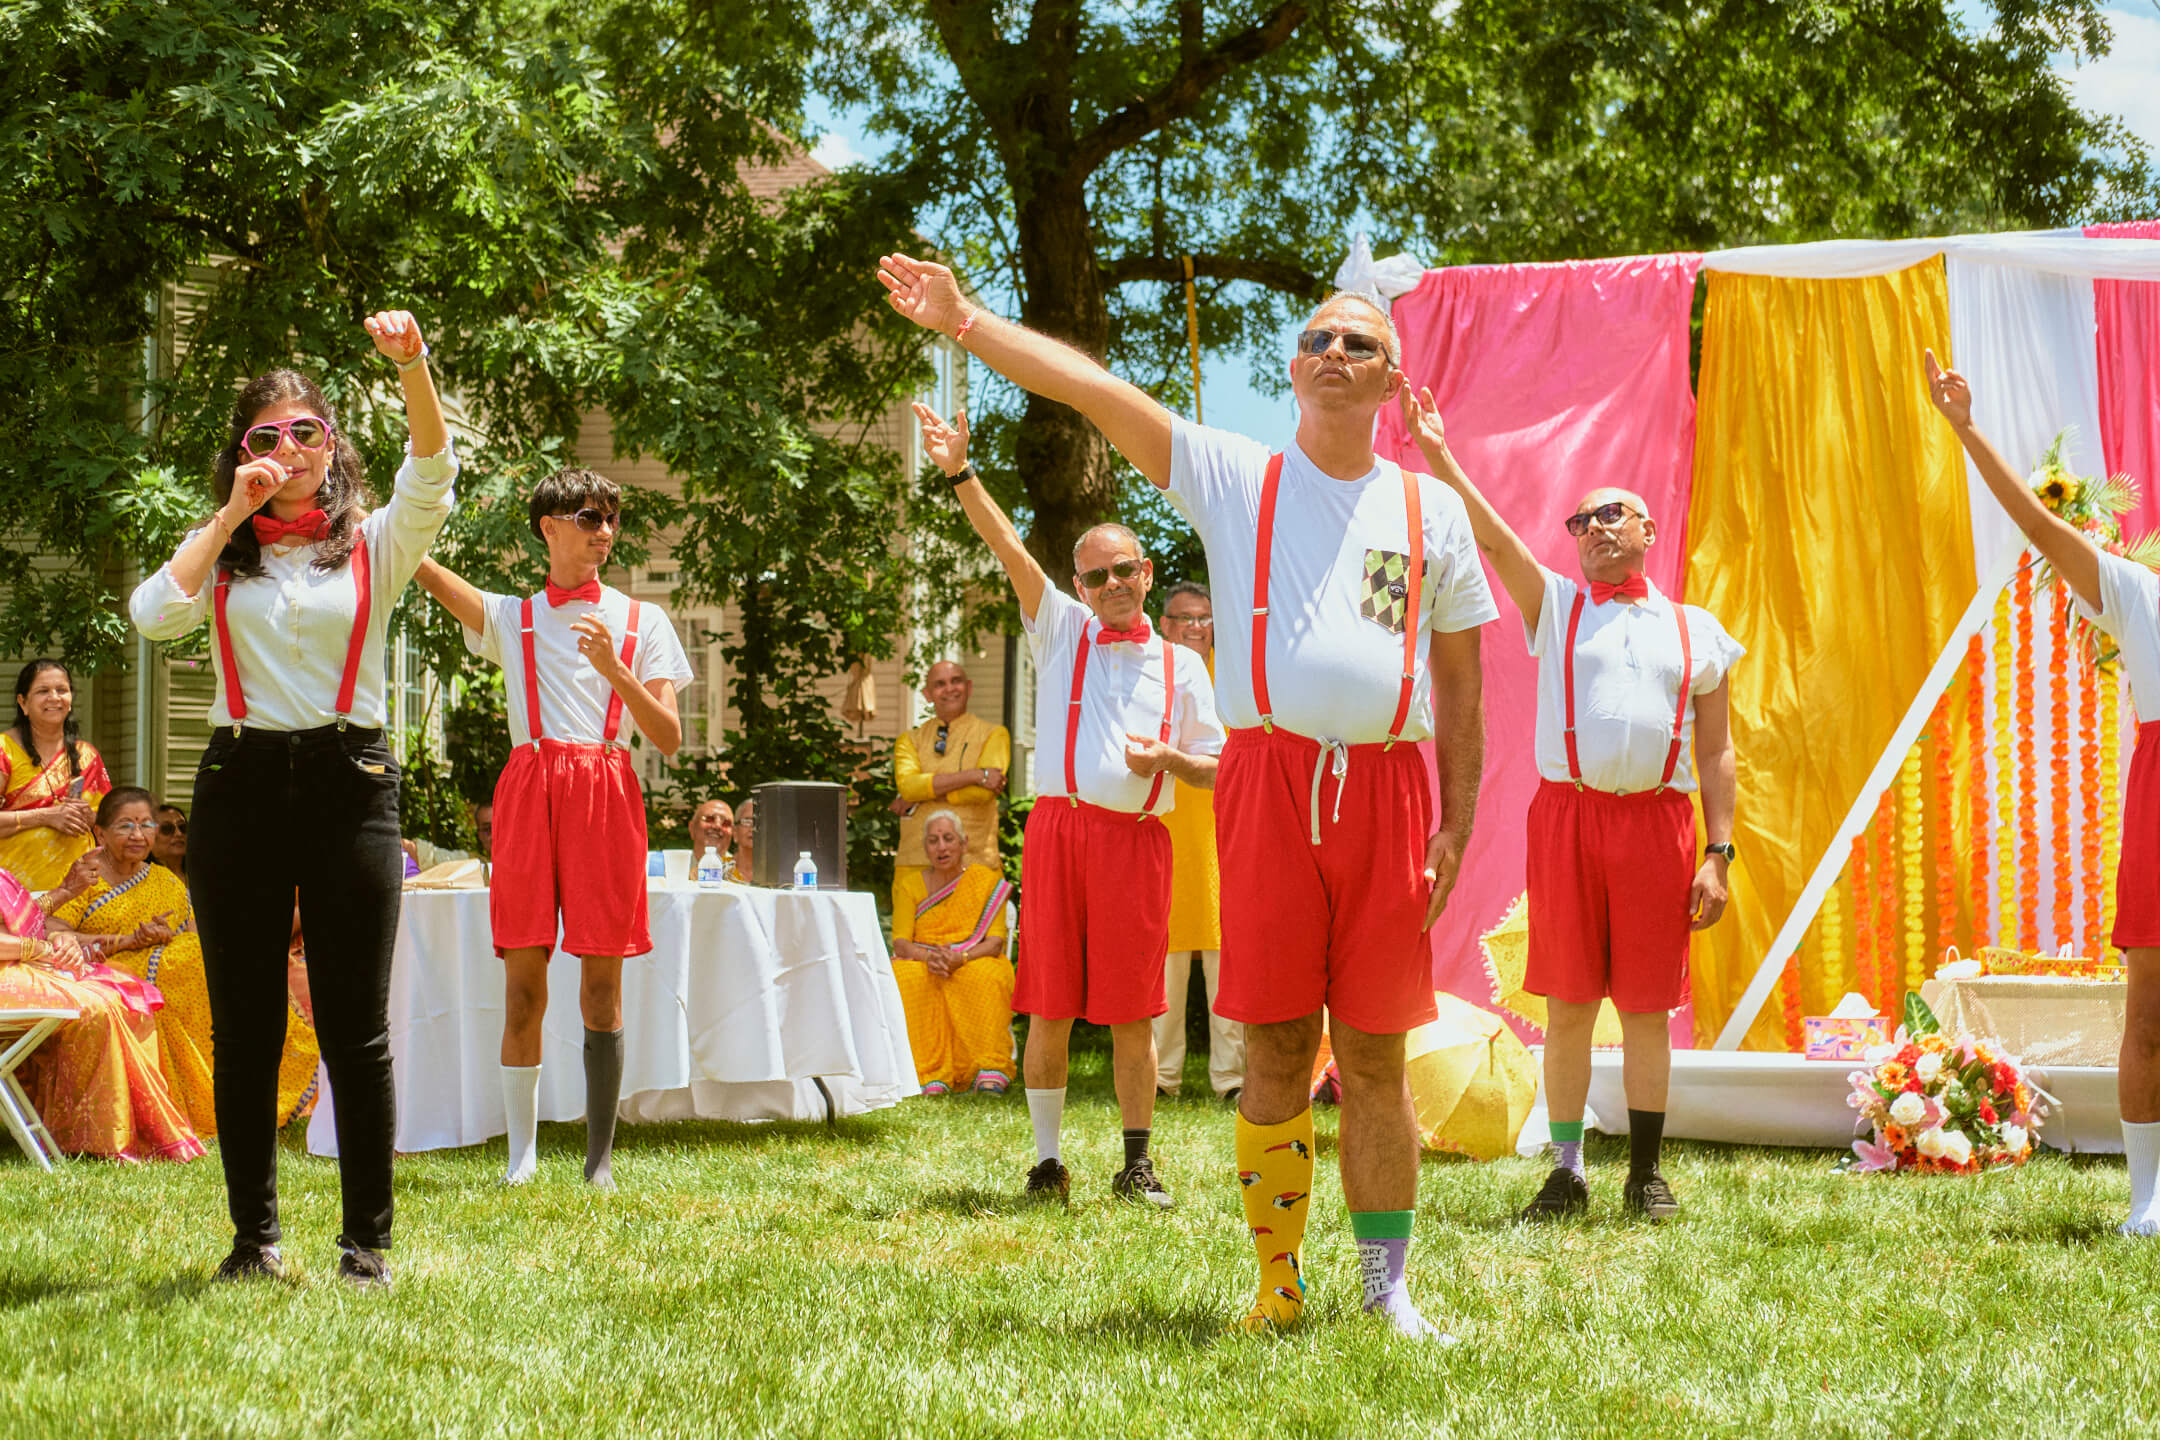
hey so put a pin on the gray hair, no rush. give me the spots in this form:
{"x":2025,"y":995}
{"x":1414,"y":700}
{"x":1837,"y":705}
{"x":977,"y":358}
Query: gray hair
{"x":1359,"y":297}
{"x":944,"y":813}
{"x":1107,"y":527}
{"x":1188,"y":587}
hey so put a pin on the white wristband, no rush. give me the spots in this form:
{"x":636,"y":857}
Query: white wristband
{"x":406,"y":367}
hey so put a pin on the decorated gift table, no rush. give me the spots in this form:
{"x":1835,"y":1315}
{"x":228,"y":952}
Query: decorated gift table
{"x":2042,"y":1019}
{"x":753,"y":1005}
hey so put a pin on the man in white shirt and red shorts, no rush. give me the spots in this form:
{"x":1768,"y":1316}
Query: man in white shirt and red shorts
{"x":1117,"y":715}
{"x":1333,"y":865}
{"x":569,"y":813}
{"x":1616,"y":884}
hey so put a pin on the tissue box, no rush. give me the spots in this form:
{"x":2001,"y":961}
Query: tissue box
{"x":1830,"y":1037}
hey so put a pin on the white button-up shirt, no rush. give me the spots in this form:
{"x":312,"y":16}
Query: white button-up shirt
{"x":573,"y":697}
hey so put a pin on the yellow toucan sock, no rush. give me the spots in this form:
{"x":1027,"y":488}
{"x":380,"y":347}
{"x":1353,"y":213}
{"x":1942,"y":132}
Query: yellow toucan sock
{"x":1275,"y":1170}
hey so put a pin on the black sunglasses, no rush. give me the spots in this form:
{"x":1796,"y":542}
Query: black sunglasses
{"x":591,"y":518}
{"x":1123,"y":569}
{"x":1355,"y":345}
{"x":1611,"y":513}
{"x":942,"y":731}
{"x":170,"y":828}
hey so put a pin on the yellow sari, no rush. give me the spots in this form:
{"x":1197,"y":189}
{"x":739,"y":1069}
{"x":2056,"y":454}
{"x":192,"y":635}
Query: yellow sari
{"x":959,"y":1025}
{"x":176,"y":969}
{"x":40,"y":857}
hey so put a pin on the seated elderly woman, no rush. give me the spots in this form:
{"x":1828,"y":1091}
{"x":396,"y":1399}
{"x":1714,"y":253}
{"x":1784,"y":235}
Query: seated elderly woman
{"x":949,"y":957}
{"x":137,"y":916}
{"x":95,"y":1081}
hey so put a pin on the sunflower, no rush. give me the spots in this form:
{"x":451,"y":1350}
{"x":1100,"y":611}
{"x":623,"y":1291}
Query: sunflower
{"x":2058,"y":490}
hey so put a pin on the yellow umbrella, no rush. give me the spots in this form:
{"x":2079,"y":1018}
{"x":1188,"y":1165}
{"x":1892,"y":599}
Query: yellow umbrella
{"x":1507,"y":960}
{"x":1471,"y":1081}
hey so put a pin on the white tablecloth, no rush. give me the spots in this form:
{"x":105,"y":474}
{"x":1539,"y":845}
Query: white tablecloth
{"x":749,"y":1000}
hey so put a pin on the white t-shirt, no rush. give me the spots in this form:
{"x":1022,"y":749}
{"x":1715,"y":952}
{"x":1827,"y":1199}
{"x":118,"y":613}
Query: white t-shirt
{"x":291,"y":625}
{"x":573,"y":696}
{"x":2130,"y":612}
{"x":1334,"y":659}
{"x":1123,"y":695}
{"x":1627,"y":683}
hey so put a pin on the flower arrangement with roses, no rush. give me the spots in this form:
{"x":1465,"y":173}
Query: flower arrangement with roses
{"x":2094,"y":506}
{"x":1955,"y":1106}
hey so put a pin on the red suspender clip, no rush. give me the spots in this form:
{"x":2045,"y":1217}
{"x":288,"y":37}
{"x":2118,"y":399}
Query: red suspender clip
{"x":532,"y":674}
{"x":1072,"y":720}
{"x":1687,"y":679}
{"x":363,"y":603}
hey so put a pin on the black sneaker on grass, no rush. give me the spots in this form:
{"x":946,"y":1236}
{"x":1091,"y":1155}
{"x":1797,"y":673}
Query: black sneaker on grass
{"x":363,"y":1268}
{"x":1049,"y":1180}
{"x":1137,"y":1181}
{"x":251,"y":1262}
{"x":1650,"y":1197}
{"x":1562,"y":1195}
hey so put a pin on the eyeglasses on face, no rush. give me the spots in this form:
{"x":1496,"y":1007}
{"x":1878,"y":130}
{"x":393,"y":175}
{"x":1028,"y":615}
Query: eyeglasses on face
{"x":592,"y":517}
{"x":1610,"y":514}
{"x":1199,"y":621}
{"x":1123,"y":569}
{"x":1356,"y":345}
{"x":309,"y":432}
{"x":134,"y":827}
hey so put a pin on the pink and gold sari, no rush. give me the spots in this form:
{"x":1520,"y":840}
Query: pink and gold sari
{"x":40,"y":857}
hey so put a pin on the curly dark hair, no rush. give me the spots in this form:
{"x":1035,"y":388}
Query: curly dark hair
{"x":21,"y":727}
{"x":568,"y":491}
{"x":343,"y":497}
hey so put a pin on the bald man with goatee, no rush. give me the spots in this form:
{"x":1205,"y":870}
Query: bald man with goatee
{"x":1625,"y":677}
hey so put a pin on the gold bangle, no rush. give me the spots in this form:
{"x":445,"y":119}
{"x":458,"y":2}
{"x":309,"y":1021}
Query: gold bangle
{"x":32,"y":948}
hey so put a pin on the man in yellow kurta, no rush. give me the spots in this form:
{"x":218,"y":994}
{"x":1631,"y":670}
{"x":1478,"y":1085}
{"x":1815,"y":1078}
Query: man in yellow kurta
{"x":1195,"y":889}
{"x":954,"y":760}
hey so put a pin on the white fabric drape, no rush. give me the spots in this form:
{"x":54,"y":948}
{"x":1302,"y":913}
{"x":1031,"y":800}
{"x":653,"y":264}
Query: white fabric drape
{"x":2058,"y":252}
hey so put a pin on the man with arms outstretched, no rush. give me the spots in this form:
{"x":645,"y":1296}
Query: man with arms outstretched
{"x":1368,"y":596}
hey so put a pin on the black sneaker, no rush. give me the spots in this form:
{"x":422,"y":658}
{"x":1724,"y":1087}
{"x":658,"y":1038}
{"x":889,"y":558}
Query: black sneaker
{"x":363,"y":1268}
{"x":1231,"y":1096}
{"x":1562,"y":1195}
{"x":1650,"y":1197}
{"x":252,"y":1262}
{"x":1049,"y":1180}
{"x":1137,"y":1181}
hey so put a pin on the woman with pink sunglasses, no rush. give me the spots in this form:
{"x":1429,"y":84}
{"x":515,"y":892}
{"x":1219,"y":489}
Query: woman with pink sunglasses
{"x":297,"y":789}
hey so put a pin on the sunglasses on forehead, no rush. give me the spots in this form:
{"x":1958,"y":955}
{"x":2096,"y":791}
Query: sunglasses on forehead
{"x":1611,"y":513}
{"x":1123,"y":569}
{"x":1355,"y":345}
{"x":592,"y":517}
{"x":309,"y":432}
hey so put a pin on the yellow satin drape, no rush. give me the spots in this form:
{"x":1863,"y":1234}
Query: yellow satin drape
{"x":1829,"y":532}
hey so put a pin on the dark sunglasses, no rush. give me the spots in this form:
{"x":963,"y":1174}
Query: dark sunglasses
{"x":592,"y":517}
{"x":1354,"y":345}
{"x":1611,"y":513}
{"x":170,"y":828}
{"x":942,"y":731}
{"x":309,"y":432}
{"x":1123,"y":569}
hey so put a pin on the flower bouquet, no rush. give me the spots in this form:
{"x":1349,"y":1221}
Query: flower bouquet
{"x":1942,"y":1104}
{"x":2094,"y":506}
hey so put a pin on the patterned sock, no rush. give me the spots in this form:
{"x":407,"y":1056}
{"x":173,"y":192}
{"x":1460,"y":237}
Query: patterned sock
{"x":2141,"y":1151}
{"x":1567,"y":1145}
{"x":1645,"y":1136}
{"x":1275,"y":1172}
{"x":1135,"y":1147}
{"x":603,"y":1093}
{"x":1047,"y":1109}
{"x":1383,"y":1246}
{"x":521,"y":1103}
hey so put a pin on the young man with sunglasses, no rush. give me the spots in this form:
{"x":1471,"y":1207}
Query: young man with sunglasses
{"x":1117,"y":716}
{"x":569,"y":848}
{"x":955,"y":760}
{"x":1367,"y":601}
{"x":1626,"y":677}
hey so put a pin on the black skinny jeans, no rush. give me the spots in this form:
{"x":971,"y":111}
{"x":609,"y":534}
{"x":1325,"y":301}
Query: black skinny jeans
{"x":314,"y":811}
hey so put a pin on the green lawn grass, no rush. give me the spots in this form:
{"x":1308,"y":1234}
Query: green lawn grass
{"x":882,"y":1278}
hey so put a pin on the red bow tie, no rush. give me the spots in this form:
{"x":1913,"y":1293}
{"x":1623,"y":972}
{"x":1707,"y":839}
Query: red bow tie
{"x":589,"y":592}
{"x":269,"y":530}
{"x":1140,"y":634}
{"x":1635,"y":587}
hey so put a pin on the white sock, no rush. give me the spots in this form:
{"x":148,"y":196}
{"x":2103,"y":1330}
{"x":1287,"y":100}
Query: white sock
{"x":2141,"y":1148}
{"x":1047,"y":1109}
{"x":521,"y":1102}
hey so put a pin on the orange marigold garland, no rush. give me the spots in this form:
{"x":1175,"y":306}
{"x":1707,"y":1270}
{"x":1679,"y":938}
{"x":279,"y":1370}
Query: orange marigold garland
{"x":2028,"y":851}
{"x":1863,"y":895}
{"x":1912,"y":917}
{"x":1976,"y":758}
{"x":2005,"y":773}
{"x":2110,"y":794}
{"x":1789,"y":994}
{"x":2089,"y":792}
{"x":2061,"y":676}
{"x":1945,"y":828}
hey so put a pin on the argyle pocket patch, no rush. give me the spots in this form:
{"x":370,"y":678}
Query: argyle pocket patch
{"x":1386,"y":592}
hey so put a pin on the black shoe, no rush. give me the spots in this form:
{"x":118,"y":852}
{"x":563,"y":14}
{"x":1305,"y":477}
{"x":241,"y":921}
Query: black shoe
{"x":1650,"y":1197}
{"x":1137,"y":1181}
{"x":363,"y":1268}
{"x":1562,"y":1195}
{"x":1232,"y":1095}
{"x":252,"y":1262}
{"x":1164,"y":1092}
{"x":1049,"y":1180}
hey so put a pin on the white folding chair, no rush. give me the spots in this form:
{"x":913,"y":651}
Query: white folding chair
{"x":22,"y":1031}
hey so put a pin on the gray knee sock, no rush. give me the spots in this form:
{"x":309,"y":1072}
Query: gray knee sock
{"x":603,"y":1091}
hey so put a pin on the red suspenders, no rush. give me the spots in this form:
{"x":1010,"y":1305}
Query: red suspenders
{"x":235,"y":702}
{"x":1687,"y":678}
{"x":1072,"y":718}
{"x":532,"y":674}
{"x":1415,"y":558}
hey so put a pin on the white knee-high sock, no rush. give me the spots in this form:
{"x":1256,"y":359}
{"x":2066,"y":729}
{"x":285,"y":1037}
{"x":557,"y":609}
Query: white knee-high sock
{"x":521,"y":1102}
{"x":1047,"y":1109}
{"x":2141,"y":1148}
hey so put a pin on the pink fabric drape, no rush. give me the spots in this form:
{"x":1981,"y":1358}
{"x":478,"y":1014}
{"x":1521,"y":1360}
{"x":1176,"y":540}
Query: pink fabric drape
{"x":2127,"y":313}
{"x":1553,"y":380}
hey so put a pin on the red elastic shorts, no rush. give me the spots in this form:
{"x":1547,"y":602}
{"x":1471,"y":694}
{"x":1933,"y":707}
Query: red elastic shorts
{"x":1339,"y":923}
{"x":569,"y":840}
{"x":2137,"y":876}
{"x":1609,"y":881}
{"x":1095,"y":918}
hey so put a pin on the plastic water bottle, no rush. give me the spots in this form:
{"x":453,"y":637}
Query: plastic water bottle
{"x":709,"y":869}
{"x":805,"y":872}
